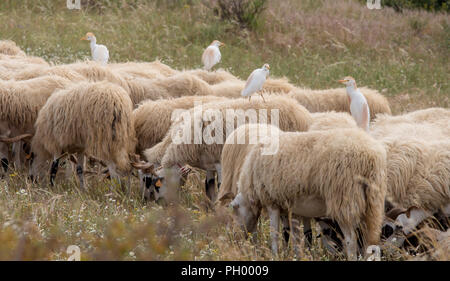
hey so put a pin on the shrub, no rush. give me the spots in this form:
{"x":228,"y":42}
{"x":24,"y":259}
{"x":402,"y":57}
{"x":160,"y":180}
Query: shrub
{"x":244,"y":12}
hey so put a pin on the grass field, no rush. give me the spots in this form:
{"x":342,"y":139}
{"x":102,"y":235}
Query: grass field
{"x":311,"y":42}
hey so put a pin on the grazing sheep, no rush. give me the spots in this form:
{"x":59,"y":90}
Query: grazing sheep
{"x":233,"y":154}
{"x":292,"y":117}
{"x":339,"y":174}
{"x":420,"y":124}
{"x":18,"y":63}
{"x":152,"y":119}
{"x":141,"y":89}
{"x":37,"y":71}
{"x":212,"y":77}
{"x":86,"y":119}
{"x":150,"y":70}
{"x":20,"y":102}
{"x":337,"y":100}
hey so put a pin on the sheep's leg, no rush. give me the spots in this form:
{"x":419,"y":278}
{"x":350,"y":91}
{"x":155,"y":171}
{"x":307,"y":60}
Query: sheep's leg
{"x":113,"y":172}
{"x":286,"y":228}
{"x":295,"y":224}
{"x":307,"y":231}
{"x":210,"y":185}
{"x":350,"y":242}
{"x":219,"y":175}
{"x":17,"y":149}
{"x":249,"y":97}
{"x":274,"y":214}
{"x":54,"y":170}
{"x":80,"y":166}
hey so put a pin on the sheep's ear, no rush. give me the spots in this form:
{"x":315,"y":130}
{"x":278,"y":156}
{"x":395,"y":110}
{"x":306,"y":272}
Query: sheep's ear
{"x":146,"y":167}
{"x":410,"y":210}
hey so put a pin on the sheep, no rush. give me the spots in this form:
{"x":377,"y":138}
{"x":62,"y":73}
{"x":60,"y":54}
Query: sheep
{"x":420,"y":124}
{"x":150,"y":70}
{"x":10,"y":48}
{"x":87,"y":118}
{"x":340,"y":174}
{"x":233,"y":154}
{"x":37,"y":71}
{"x":152,"y":119}
{"x":20,"y":102}
{"x":150,"y":67}
{"x":337,"y":100}
{"x":292,"y":117}
{"x":212,"y":77}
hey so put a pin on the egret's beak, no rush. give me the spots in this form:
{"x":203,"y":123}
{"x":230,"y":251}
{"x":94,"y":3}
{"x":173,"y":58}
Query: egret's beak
{"x":268,"y":67}
{"x":222,"y":44}
{"x":342,"y":81}
{"x":84,"y":38}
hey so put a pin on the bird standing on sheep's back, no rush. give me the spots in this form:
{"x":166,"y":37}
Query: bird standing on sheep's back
{"x":256,"y":81}
{"x":358,"y":103}
{"x":211,"y":56}
{"x":99,"y":52}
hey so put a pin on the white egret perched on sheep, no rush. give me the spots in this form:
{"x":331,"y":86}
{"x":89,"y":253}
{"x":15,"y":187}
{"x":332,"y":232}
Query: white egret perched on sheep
{"x":358,"y":103}
{"x":256,"y":81}
{"x":99,"y":52}
{"x":211,"y":56}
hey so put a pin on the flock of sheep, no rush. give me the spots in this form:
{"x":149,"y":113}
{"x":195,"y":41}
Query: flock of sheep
{"x":362,"y":188}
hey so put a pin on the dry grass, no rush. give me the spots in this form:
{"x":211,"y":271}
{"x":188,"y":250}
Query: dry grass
{"x":312,"y":42}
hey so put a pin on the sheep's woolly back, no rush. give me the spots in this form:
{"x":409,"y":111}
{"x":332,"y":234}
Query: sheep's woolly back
{"x":152,"y":119}
{"x":183,"y":84}
{"x":95,"y":118}
{"x":337,"y":100}
{"x":292,"y":117}
{"x":332,"y":120}
{"x":418,"y":172}
{"x":345,"y":167}
{"x":278,"y":85}
{"x":141,"y":89}
{"x":37,"y":71}
{"x":212,"y":77}
{"x":8,"y":47}
{"x":426,"y":123}
{"x":20,"y":101}
{"x":234,"y":153}
{"x":19,"y":63}
{"x":141,"y":70}
{"x":94,"y":72}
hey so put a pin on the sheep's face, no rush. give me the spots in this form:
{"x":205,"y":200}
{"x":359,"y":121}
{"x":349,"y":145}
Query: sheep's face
{"x":245,"y":215}
{"x":150,"y":186}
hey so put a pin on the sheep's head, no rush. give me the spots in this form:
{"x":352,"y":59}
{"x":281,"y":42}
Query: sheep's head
{"x":245,"y":213}
{"x":153,"y":180}
{"x":150,"y":181}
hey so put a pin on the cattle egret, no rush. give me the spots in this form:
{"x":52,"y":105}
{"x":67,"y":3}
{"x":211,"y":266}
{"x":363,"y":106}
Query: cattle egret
{"x":358,"y":103}
{"x":256,"y":81}
{"x":99,"y":52}
{"x":211,"y":56}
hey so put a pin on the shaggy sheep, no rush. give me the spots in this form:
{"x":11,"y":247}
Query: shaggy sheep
{"x":37,"y":71}
{"x":86,"y":119}
{"x":149,"y":67}
{"x":152,"y":119}
{"x":339,"y":174}
{"x":212,"y":77}
{"x":207,"y":153}
{"x":234,"y":154}
{"x":337,"y":100}
{"x":20,"y":102}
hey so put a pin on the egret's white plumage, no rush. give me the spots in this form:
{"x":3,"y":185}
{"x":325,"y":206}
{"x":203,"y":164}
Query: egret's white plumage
{"x":211,"y":56}
{"x":99,"y":52}
{"x":358,"y":103}
{"x":256,"y":81}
